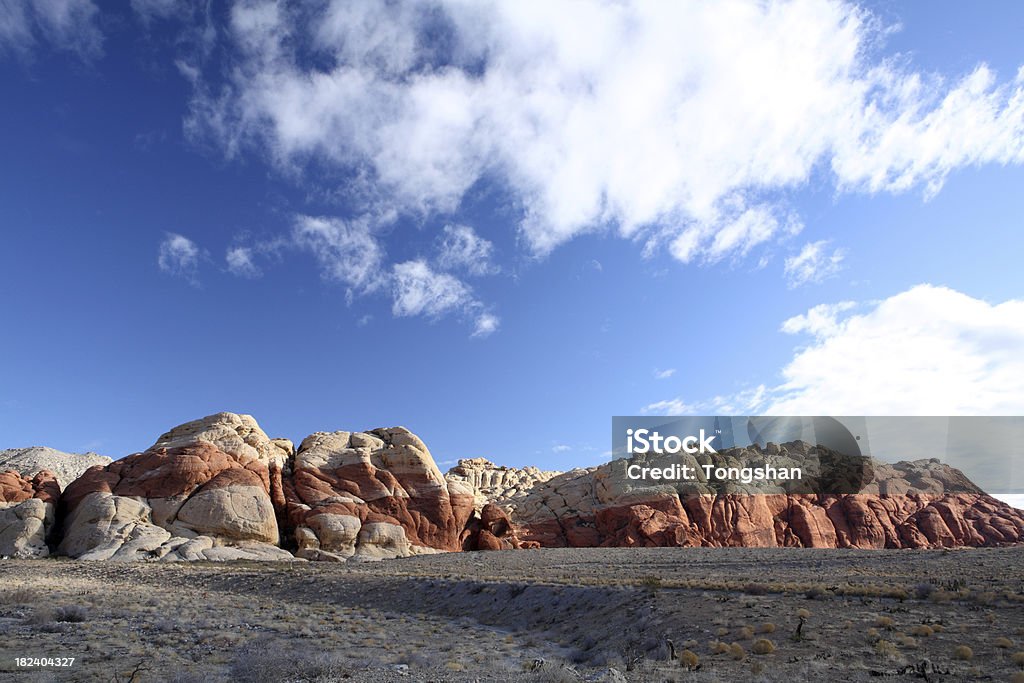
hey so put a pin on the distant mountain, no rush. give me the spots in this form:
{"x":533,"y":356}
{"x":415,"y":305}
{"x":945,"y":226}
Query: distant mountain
{"x":65,"y":466}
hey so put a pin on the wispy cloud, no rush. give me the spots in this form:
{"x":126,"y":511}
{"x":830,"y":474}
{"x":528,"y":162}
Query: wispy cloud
{"x":240,"y":262}
{"x":348,"y":251}
{"x":664,"y":374}
{"x":813,"y":264}
{"x":486,"y":325}
{"x":68,"y":25}
{"x":418,"y":290}
{"x":623,"y":131}
{"x":179,"y":256}
{"x":462,"y":249}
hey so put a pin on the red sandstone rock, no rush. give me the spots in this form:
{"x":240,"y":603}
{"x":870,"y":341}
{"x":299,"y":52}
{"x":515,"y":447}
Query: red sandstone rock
{"x":15,"y":488}
{"x":372,"y":494}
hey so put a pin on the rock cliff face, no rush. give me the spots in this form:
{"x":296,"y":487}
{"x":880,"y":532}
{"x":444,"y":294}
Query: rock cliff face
{"x":26,"y":513}
{"x":371,"y":495}
{"x":202,"y":491}
{"x":920,"y":504}
{"x":490,"y":482}
{"x":220,"y":489}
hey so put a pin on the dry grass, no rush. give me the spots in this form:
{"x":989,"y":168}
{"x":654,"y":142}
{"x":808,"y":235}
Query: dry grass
{"x":963,"y":653}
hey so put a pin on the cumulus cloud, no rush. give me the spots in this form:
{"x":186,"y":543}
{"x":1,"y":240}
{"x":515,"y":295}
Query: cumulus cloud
{"x":68,"y":25}
{"x":419,"y":290}
{"x":179,"y":256}
{"x":813,"y":264}
{"x":680,"y":125}
{"x":240,"y":262}
{"x":462,"y":249}
{"x":926,"y":351}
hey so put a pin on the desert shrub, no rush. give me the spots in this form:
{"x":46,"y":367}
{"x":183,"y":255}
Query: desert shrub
{"x":763,"y":646}
{"x":803,"y":613}
{"x":718,"y":647}
{"x":814,"y":593}
{"x":922,"y":630}
{"x":923,"y":591}
{"x":18,"y":596}
{"x":755,"y":589}
{"x":886,"y":649}
{"x":554,"y":674}
{"x":1017,"y":677}
{"x":872,"y":634}
{"x":1003,"y":643}
{"x":260,"y":662}
{"x":963,"y":653}
{"x":938,"y":628}
{"x":722,"y":632}
{"x":689,"y":660}
{"x":71,"y":614}
{"x":1018,"y":659}
{"x":885,"y":622}
{"x":745,"y":632}
{"x":766,"y":628}
{"x":906,"y":641}
{"x":737,"y":652}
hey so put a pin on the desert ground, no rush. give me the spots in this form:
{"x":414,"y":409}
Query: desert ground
{"x":545,"y":615}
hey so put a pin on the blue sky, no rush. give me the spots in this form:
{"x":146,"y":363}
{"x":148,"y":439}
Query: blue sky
{"x":501,"y":225}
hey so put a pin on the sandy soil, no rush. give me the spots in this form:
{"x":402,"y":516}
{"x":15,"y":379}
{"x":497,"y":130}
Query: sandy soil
{"x":550,"y":615}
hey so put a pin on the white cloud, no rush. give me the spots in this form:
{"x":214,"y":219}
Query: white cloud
{"x":560,"y":448}
{"x":179,"y":256}
{"x":664,"y":374}
{"x":926,"y":351}
{"x":347,"y":250}
{"x":813,"y":264}
{"x":65,"y":24}
{"x":486,"y":325}
{"x":680,"y":124}
{"x":149,"y":10}
{"x":462,"y":249}
{"x":419,"y":290}
{"x":240,"y":262}
{"x":741,"y":403}
{"x":820,"y":321}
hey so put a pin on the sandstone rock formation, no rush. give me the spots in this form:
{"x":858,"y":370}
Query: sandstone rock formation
{"x":203,"y":491}
{"x":492,"y":530}
{"x":372,"y":495}
{"x":489,"y":482}
{"x":26,"y":513}
{"x":918,"y":504}
{"x":66,"y":467}
{"x":220,"y":489}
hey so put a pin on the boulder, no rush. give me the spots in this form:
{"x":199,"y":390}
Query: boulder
{"x":371,"y":495}
{"x":202,"y":491}
{"x":26,"y":513}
